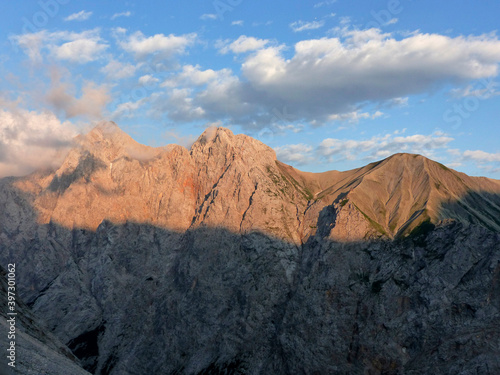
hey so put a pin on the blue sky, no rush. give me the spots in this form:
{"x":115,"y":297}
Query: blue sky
{"x":328,"y":84}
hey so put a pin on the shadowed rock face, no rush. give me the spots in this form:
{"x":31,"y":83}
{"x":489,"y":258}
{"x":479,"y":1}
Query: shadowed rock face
{"x":37,"y":350}
{"x":221,"y":259}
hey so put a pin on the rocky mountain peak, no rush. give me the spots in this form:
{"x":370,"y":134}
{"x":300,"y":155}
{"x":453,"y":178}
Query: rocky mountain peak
{"x":108,"y":142}
{"x":219,"y":139}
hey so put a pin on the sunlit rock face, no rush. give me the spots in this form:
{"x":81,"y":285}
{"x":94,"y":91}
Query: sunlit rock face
{"x":221,"y":259}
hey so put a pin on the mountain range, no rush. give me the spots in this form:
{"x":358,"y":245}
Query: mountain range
{"x":220,"y":259}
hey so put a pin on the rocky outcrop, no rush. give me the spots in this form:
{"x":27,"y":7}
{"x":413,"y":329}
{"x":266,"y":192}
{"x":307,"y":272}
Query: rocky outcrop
{"x":221,"y":259}
{"x":37,"y":351}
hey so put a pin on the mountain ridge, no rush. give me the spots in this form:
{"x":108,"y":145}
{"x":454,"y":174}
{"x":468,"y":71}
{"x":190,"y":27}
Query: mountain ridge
{"x":390,"y":197}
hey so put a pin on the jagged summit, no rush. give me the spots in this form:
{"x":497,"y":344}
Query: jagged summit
{"x":224,"y":139}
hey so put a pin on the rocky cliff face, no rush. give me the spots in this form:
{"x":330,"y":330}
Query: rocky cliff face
{"x":37,"y":351}
{"x":221,"y":259}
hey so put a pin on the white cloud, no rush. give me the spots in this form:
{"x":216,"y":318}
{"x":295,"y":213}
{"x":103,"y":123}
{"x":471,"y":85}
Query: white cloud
{"x":382,"y":146}
{"x":80,"y":50}
{"x":244,"y":44}
{"x":166,"y":45}
{"x":481,"y":156}
{"x":297,"y":154}
{"x":80,"y":47}
{"x":327,"y":76}
{"x":118,"y":70}
{"x":30,"y":141}
{"x":80,"y":16}
{"x":298,"y":26}
{"x":122,"y":14}
{"x":335,"y":78}
{"x":237,"y":23}
{"x":392,"y":21}
{"x":148,"y":80}
{"x":208,"y":16}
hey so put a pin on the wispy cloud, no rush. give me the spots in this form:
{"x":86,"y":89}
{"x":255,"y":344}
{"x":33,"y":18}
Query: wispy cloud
{"x":208,"y":16}
{"x":324,"y":3}
{"x":237,"y":23}
{"x":80,"y":16}
{"x":488,"y":90}
{"x":298,"y":26}
{"x":354,"y":116}
{"x":122,"y":14}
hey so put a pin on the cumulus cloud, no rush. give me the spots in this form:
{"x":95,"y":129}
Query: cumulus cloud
{"x":244,"y":44}
{"x":330,"y":77}
{"x":80,"y":47}
{"x":165,"y":45}
{"x":298,"y":26}
{"x":80,"y":16}
{"x":31,"y":141}
{"x":81,"y":50}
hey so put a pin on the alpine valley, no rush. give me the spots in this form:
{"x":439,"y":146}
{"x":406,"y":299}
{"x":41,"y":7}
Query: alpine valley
{"x":220,"y":259}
